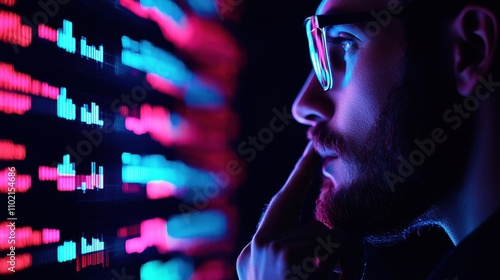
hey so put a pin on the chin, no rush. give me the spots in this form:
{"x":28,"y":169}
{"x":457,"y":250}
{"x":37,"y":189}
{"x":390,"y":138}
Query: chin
{"x":371,"y":210}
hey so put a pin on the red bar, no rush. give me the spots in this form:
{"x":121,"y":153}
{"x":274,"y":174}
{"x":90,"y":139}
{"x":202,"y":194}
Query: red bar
{"x":12,"y":80}
{"x":27,"y":237}
{"x":8,"y":3}
{"x":82,"y":261}
{"x":13,"y":103}
{"x":66,"y":183}
{"x":23,"y":261}
{"x":23,"y":182}
{"x":12,"y":31}
{"x":11,"y":151}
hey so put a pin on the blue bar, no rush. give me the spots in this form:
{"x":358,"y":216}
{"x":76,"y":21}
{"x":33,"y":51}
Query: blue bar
{"x":66,"y":252}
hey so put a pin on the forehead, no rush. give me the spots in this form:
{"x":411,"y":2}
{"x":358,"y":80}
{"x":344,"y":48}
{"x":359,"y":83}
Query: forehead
{"x":349,"y":6}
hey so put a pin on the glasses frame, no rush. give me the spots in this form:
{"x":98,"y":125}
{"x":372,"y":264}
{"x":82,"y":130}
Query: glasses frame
{"x":316,"y":37}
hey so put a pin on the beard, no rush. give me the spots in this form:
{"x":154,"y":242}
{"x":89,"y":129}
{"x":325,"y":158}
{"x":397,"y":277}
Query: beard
{"x":370,"y":205}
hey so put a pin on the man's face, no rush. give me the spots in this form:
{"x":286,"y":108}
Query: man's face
{"x":379,"y":104}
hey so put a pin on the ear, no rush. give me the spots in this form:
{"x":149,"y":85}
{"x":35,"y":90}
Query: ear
{"x":474,"y":47}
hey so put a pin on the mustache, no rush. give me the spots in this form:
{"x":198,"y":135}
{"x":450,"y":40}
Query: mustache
{"x":328,"y":141}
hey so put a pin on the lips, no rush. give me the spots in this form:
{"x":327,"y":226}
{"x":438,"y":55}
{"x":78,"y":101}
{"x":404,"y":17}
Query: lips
{"x":325,"y":152}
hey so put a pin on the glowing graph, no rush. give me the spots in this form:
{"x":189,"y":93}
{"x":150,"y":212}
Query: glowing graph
{"x":93,"y":254}
{"x":10,"y":102}
{"x":27,"y":237}
{"x":99,"y":257}
{"x":171,"y":236}
{"x":92,"y":116}
{"x":148,"y":58}
{"x":12,"y":80}
{"x":46,"y":82}
{"x":66,"y":252}
{"x":95,"y":246}
{"x":144,"y":169}
{"x":91,"y":51}
{"x":66,"y":109}
{"x":65,"y":39}
{"x":68,"y":180}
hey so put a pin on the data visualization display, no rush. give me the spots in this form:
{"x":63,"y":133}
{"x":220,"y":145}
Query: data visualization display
{"x":116,"y":133}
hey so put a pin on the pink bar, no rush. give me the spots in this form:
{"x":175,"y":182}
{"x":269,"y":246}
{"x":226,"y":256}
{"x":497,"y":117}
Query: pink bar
{"x":135,"y":7}
{"x":159,"y":190}
{"x":87,"y":179}
{"x":50,"y":235}
{"x":66,"y":183}
{"x":153,"y":233}
{"x":155,"y":120}
{"x":46,"y":173}
{"x":47,"y":33}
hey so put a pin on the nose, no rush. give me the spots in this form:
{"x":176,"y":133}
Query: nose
{"x":312,"y":105}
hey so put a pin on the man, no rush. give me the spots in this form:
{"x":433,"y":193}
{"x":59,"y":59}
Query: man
{"x":404,"y":113}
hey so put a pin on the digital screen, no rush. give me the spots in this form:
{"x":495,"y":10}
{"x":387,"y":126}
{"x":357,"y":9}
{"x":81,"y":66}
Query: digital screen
{"x":116,"y":131}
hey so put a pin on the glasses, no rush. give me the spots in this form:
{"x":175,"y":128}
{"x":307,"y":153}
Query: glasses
{"x":316,"y":37}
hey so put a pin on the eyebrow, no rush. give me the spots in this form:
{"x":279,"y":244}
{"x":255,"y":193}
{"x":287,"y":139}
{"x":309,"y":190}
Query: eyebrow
{"x":353,"y":26}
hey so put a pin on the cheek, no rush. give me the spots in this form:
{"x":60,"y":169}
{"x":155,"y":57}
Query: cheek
{"x":375,"y":74}
{"x":356,"y":112}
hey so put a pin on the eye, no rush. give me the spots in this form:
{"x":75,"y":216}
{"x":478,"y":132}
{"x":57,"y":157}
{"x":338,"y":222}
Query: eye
{"x":346,"y":44}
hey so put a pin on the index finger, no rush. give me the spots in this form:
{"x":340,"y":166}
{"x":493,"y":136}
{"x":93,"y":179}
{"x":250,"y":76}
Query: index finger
{"x":283,"y":212}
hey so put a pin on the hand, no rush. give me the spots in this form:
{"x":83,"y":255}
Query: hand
{"x":281,"y":250}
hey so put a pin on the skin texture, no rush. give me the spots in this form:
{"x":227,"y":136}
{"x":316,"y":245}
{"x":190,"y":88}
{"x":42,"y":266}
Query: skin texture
{"x":391,"y":92}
